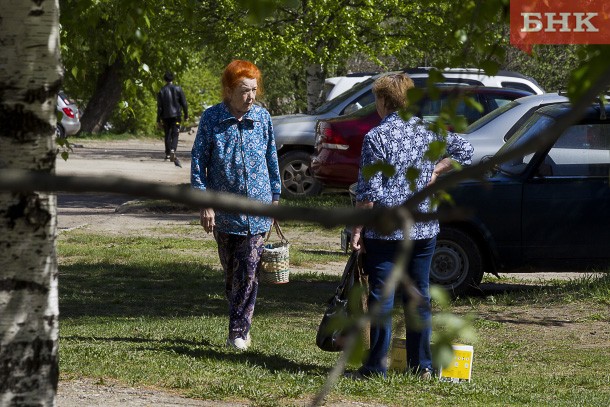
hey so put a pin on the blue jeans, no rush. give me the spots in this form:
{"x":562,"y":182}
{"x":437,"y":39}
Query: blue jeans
{"x":378,"y":263}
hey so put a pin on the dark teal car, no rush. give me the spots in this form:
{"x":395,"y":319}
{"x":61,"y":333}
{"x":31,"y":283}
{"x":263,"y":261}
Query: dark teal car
{"x":548,"y":210}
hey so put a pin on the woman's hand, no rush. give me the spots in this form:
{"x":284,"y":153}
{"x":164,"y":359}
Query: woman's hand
{"x":441,"y":167}
{"x":276,"y":203}
{"x":356,"y":240}
{"x":207,"y":218}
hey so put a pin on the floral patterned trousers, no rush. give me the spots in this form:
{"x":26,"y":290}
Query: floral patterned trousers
{"x":240,"y":257}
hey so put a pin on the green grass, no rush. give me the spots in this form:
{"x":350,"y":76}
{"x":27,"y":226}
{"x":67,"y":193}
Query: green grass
{"x":150,"y":311}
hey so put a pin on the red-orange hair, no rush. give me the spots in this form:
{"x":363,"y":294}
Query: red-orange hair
{"x":235,"y":72}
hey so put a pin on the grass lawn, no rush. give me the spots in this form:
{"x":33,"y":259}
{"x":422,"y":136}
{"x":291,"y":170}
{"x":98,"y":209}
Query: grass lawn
{"x":150,"y":311}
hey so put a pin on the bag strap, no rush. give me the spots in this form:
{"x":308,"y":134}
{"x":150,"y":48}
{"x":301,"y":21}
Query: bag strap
{"x":348,"y":272}
{"x":278,"y":231}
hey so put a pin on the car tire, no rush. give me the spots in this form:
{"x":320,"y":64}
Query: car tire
{"x":60,"y":131}
{"x":457,"y":264}
{"x":296,"y":175}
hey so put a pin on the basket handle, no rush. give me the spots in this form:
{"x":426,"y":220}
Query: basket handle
{"x":278,"y":230}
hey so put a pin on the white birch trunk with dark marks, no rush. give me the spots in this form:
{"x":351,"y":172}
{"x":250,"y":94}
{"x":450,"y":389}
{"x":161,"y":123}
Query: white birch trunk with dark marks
{"x":315,"y":86}
{"x":30,"y":77}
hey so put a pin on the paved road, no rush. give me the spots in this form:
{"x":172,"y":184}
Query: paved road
{"x":137,"y":159}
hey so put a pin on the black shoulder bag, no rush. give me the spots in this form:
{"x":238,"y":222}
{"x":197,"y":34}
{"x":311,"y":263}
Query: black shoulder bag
{"x":348,"y":302}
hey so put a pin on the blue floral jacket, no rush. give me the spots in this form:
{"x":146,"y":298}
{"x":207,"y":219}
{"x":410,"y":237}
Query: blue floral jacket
{"x":238,"y":158}
{"x":403,"y":145}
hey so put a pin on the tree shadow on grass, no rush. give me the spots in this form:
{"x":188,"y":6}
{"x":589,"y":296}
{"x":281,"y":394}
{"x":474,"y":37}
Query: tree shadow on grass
{"x":174,"y":290}
{"x":206,"y":349}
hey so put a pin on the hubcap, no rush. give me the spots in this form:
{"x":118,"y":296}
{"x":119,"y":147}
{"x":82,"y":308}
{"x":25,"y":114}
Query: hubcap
{"x":449,"y":264}
{"x":297,"y":177}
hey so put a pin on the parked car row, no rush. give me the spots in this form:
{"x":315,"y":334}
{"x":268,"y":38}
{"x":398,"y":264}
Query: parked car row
{"x":338,"y":144}
{"x":544,"y":209}
{"x":295,"y":134}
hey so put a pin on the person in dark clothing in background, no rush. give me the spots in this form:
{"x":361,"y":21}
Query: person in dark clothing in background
{"x":170,"y":103}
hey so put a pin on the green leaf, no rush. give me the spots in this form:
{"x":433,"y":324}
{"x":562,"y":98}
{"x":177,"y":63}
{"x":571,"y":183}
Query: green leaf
{"x":412,"y":174}
{"x":370,"y":170}
{"x":583,"y":77}
{"x":471,"y":102}
{"x":435,"y":76}
{"x":436,"y":150}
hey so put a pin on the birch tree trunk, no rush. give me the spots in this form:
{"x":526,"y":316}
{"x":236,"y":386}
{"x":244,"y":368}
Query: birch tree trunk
{"x":315,"y":86}
{"x":30,"y":77}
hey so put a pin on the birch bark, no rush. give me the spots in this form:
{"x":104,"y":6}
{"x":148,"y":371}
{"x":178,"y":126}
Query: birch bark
{"x":30,"y":77}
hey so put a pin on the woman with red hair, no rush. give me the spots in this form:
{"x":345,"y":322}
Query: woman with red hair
{"x":234,"y":152}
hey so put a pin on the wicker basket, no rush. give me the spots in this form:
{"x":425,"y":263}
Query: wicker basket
{"x":275,"y":260}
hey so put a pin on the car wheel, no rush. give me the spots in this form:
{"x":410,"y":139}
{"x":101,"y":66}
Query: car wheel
{"x":297,"y":178}
{"x":60,"y":131}
{"x":457,"y":264}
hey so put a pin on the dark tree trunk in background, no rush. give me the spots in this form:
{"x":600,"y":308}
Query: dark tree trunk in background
{"x":104,"y":99}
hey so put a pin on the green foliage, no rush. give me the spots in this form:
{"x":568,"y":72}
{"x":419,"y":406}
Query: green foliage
{"x":598,"y":61}
{"x":63,"y":147}
{"x":285,"y":36}
{"x":142,"y":39}
{"x":136,"y":114}
{"x":387,"y":170}
{"x":201,"y":83}
{"x":284,"y":86}
{"x":412,"y":174}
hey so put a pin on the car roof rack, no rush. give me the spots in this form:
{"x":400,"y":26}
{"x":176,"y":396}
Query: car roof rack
{"x":357,"y":74}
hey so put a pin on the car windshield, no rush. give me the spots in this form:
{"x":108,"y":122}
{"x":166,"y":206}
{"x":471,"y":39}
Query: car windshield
{"x":331,"y":104}
{"x":490,"y":116}
{"x":533,"y":127}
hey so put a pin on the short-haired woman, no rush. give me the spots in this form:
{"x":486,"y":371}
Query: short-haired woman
{"x":402,"y":144}
{"x":234,"y":152}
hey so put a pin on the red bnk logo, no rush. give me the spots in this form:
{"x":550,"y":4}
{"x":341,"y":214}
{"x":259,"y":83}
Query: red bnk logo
{"x":559,"y":22}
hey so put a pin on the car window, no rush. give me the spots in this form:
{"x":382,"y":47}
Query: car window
{"x":334,"y":102}
{"x":65,"y":98}
{"x":368,"y":97}
{"x":582,"y":150}
{"x":517,"y":85}
{"x":362,"y":101}
{"x":496,"y":101}
{"x":489,"y":117}
{"x":431,"y":108}
{"x":534,"y":126}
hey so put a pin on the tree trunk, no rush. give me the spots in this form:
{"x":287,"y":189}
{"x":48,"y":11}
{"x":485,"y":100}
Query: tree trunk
{"x":315,"y":86}
{"x":106,"y":96}
{"x":29,"y":81}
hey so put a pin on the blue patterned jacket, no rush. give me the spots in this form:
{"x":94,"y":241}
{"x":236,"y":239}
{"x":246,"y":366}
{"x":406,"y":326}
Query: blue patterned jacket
{"x":239,"y":158}
{"x":403,"y":144}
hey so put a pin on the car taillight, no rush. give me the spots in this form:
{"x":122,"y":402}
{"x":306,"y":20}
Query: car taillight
{"x":329,"y":138}
{"x":68,"y":112}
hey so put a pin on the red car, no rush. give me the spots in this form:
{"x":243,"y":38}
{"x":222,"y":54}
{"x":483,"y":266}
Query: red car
{"x":339,"y":140}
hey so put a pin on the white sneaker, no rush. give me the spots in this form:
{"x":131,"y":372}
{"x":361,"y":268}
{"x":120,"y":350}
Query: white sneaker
{"x":172,"y":155}
{"x":239,"y":343}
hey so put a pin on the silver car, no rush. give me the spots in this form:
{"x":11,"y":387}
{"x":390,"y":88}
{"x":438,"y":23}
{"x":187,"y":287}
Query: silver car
{"x":295,"y":133}
{"x":68,"y":116}
{"x":491,"y":131}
